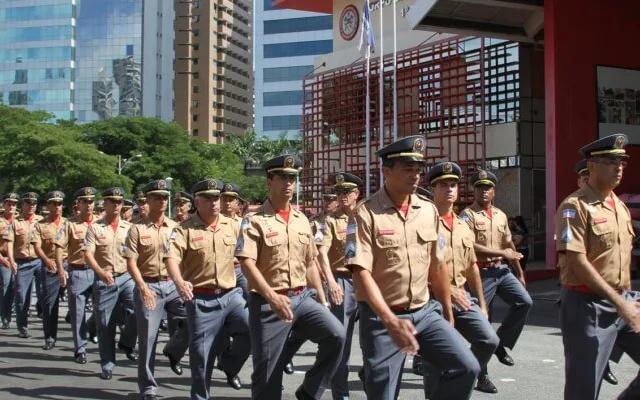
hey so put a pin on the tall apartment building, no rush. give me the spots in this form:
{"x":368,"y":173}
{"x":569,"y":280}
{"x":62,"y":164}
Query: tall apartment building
{"x":213,"y":68}
{"x":286,"y":43}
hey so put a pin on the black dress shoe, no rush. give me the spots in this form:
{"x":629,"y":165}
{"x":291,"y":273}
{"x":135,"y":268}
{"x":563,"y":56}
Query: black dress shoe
{"x":609,"y":376}
{"x":24,"y":335}
{"x":93,"y":339}
{"x":5,"y":324}
{"x":485,"y":385}
{"x":150,"y":397}
{"x":67,"y":318}
{"x":106,"y":375}
{"x":302,"y":395}
{"x":49,"y":345}
{"x":503,"y":357}
{"x":129,"y":352}
{"x":81,"y":358}
{"x":288,"y":368}
{"x":417,"y":365}
{"x":175,"y":364}
{"x":234,"y":381}
{"x":361,"y":376}
{"x":163,"y":325}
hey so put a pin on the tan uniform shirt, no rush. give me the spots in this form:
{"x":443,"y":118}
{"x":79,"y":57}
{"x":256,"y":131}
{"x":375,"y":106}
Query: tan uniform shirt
{"x":71,"y":239}
{"x":107,"y":246}
{"x":395,"y":249}
{"x":5,"y":227}
{"x":491,"y":232}
{"x":205,"y":253}
{"x":21,"y":234}
{"x":282,"y":251}
{"x":335,"y":238}
{"x":147,"y":244}
{"x":586,"y":224}
{"x":45,"y":235}
{"x":457,"y":250}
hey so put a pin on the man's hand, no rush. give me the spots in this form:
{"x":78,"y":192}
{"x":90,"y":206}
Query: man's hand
{"x":106,"y":277}
{"x":460,"y":299}
{"x":148,"y":298}
{"x":185,"y":289}
{"x":281,"y":305}
{"x":403,"y":333}
{"x":51,"y":265}
{"x":511,"y":255}
{"x":629,"y":312}
{"x":484,"y":311}
{"x":14,"y":267}
{"x":522,"y":280}
{"x":62,"y":277}
{"x":336,"y":294}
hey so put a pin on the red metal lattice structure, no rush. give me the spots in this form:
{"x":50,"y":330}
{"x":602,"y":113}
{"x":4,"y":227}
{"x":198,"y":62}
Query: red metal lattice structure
{"x":441,"y":95}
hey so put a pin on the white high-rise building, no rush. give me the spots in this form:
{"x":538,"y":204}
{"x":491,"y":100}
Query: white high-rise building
{"x":286,"y":42}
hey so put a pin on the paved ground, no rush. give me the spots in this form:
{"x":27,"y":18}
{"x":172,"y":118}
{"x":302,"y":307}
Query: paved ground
{"x":27,"y":372}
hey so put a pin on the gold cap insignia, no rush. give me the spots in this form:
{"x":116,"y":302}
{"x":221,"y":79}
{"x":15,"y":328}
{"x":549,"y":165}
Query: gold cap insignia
{"x":482,"y":175}
{"x":177,"y":196}
{"x":212,"y":184}
{"x":418,"y":145}
{"x":619,"y":142}
{"x":87,"y":191}
{"x":228,"y":187}
{"x":162,"y":184}
{"x":339,"y":178}
{"x":447,"y":168}
{"x":289,"y":162}
{"x":116,"y":192}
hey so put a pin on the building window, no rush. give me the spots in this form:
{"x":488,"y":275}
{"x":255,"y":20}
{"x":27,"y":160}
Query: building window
{"x":294,"y":49}
{"x":196,"y":89}
{"x":284,"y":98}
{"x":195,"y":18}
{"x":281,"y":74}
{"x":196,"y":32}
{"x":195,"y":103}
{"x":195,"y":4}
{"x":324,"y":22}
{"x":195,"y":132}
{"x":194,"y":117}
{"x":282,"y":123}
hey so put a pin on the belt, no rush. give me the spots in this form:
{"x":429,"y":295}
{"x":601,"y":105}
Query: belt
{"x":211,"y":291}
{"x":291,"y":292}
{"x":156,"y":279}
{"x":78,"y":266}
{"x":236,"y":264}
{"x":586,"y":289}
{"x":117,"y":275}
{"x":25,"y":259}
{"x":490,"y":264}
{"x":343,"y":274}
{"x":403,"y":310}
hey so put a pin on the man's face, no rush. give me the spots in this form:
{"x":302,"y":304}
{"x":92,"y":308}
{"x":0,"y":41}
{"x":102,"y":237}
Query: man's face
{"x":112,"y":207}
{"x":445,"y":192}
{"x":29,"y":207}
{"x":484,"y":194}
{"x":229,"y":205}
{"x":143,"y":207}
{"x":157,"y":203}
{"x":55,"y":209}
{"x":208,"y":205}
{"x":403,"y":177}
{"x":9,"y":207}
{"x":181,"y":209}
{"x":607,"y":172}
{"x":85,"y":206}
{"x":330,"y":205}
{"x":347,"y":197}
{"x":281,"y":186}
{"x":126,"y":214}
{"x":583,"y":180}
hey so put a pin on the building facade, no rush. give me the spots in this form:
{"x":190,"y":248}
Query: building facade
{"x":286,"y":44}
{"x":213,"y":68}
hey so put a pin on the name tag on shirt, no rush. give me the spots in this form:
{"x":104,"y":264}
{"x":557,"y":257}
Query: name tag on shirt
{"x":385,"y":232}
{"x":197,"y":239}
{"x":145,"y":237}
{"x":600,"y":220}
{"x":271,"y":234}
{"x":342,"y":230}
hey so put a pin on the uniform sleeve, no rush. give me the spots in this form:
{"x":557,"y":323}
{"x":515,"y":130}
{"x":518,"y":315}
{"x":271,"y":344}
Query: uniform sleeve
{"x":507,"y":232}
{"x":249,"y":239}
{"x":36,"y":235}
{"x":131,"y":244}
{"x":570,"y":227}
{"x":62,"y":238}
{"x":312,"y":252}
{"x":467,"y":216}
{"x":327,"y":238}
{"x":472,"y":254}
{"x":437,"y":251}
{"x":177,"y":244}
{"x":90,"y":240}
{"x":9,"y":234}
{"x":358,"y":250}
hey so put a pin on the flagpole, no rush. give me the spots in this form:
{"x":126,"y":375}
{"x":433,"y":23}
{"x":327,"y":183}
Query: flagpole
{"x":395,"y":73}
{"x":381,"y":94}
{"x":368,"y":127}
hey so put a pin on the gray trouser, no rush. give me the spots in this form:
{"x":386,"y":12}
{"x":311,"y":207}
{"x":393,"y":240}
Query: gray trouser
{"x":50,"y":290}
{"x":241,"y":282}
{"x":591,"y":327}
{"x":223,"y":341}
{"x":106,"y":297}
{"x":477,"y":330}
{"x":80,"y":284}
{"x":148,"y":321}
{"x":207,"y":315}
{"x":6,"y":297}
{"x":346,"y":313}
{"x":27,"y":271}
{"x":440,"y":345}
{"x":500,"y":281}
{"x":269,"y":335}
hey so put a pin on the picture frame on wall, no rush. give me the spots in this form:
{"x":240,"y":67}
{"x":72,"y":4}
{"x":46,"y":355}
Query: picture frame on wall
{"x":618,"y":102}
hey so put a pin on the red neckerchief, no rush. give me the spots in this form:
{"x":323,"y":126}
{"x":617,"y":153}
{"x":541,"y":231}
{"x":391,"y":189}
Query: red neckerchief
{"x":285,"y":215}
{"x":448,"y":220}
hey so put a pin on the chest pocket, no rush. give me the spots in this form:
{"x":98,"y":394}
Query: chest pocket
{"x":48,"y":235}
{"x":79,"y":234}
{"x":276,"y":246}
{"x":199,"y":242}
{"x":102,"y":240}
{"x":603,"y":234}
{"x":481,"y":228}
{"x":389,"y":246}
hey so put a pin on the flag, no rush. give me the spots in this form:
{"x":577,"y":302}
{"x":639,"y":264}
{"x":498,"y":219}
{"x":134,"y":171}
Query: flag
{"x":366,"y":33}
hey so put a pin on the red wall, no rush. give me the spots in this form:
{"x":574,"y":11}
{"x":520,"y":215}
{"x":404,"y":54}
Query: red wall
{"x":578,"y":36}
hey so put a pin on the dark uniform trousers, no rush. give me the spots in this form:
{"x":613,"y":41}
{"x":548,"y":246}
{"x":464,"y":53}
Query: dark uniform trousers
{"x":27,"y":271}
{"x":269,"y":335}
{"x":50,"y":299}
{"x":477,"y":330}
{"x":148,"y":322}
{"x":591,"y":327}
{"x":500,"y":281}
{"x":440,"y":345}
{"x":207,"y":315}
{"x":80,"y":284}
{"x":8,"y":290}
{"x":106,"y":297}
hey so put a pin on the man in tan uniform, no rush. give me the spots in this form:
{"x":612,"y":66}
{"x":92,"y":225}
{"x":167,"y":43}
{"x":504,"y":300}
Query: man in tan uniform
{"x":200,"y":261}
{"x":43,"y":240}
{"x":9,"y":202}
{"x":126,"y":213}
{"x":23,"y":258}
{"x":182,"y":202}
{"x":598,"y":309}
{"x":495,"y":251}
{"x":278,"y":257}
{"x":104,"y":253}
{"x":318,"y":221}
{"x":155,"y":292}
{"x":392,"y":250}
